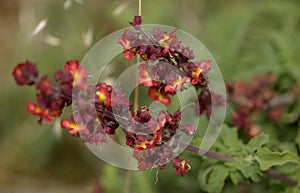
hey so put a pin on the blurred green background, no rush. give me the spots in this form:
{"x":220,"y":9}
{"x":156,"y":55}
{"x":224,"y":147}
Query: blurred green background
{"x":246,"y":37}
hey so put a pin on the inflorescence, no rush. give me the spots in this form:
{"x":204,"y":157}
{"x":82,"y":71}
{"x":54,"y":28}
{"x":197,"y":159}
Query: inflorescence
{"x":101,"y":109}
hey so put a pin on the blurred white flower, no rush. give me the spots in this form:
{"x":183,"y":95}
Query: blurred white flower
{"x":121,"y":8}
{"x":67,"y":4}
{"x":56,"y":128}
{"x":39,"y":27}
{"x":79,"y":1}
{"x":51,"y":40}
{"x":87,"y":37}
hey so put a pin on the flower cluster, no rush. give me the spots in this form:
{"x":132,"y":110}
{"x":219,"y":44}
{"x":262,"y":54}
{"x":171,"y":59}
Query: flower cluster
{"x":173,"y":66}
{"x":93,"y":118}
{"x":249,"y":98}
{"x":205,"y":99}
{"x":181,"y":166}
{"x":96,"y":108}
{"x":50,"y":99}
{"x":99,"y":110}
{"x":147,"y":134}
{"x":25,"y":73}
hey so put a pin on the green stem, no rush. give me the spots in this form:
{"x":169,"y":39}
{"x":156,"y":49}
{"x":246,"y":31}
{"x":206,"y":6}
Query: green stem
{"x":140,"y":8}
{"x":136,"y":89}
{"x":136,"y":106}
{"x":127,"y":181}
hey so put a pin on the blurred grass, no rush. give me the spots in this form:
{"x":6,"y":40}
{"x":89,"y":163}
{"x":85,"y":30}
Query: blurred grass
{"x":247,"y":37}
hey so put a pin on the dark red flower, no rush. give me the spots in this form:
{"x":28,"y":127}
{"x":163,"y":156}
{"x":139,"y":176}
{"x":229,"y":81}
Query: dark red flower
{"x":63,"y":77}
{"x":137,"y":21}
{"x":175,"y":82}
{"x":44,"y":86}
{"x":147,"y":76}
{"x":64,"y":82}
{"x":143,"y":115}
{"x":196,"y":70}
{"x":119,"y":101}
{"x":71,"y":126}
{"x":130,"y":141}
{"x":72,"y":67}
{"x":204,"y":101}
{"x":103,"y":94}
{"x":241,"y":117}
{"x":25,"y":73}
{"x":44,"y":114}
{"x":128,"y":41}
{"x":79,"y":74}
{"x":181,"y":166}
{"x":159,"y":95}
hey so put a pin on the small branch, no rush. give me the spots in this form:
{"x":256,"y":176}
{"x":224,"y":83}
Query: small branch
{"x":208,"y":153}
{"x":282,"y":100}
{"x":281,"y":177}
{"x":270,"y":172}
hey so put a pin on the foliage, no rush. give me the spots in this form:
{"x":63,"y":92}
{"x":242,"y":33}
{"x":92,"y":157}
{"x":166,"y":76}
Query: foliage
{"x":249,"y":163}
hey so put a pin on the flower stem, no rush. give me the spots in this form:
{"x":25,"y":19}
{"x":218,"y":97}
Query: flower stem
{"x":140,"y":8}
{"x":136,"y":90}
{"x":127,"y":181}
{"x":138,"y":60}
{"x":135,"y":107}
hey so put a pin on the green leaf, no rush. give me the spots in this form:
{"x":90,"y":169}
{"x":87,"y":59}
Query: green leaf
{"x":217,"y":179}
{"x":203,"y":177}
{"x":236,"y":177}
{"x":266,"y":158}
{"x":257,"y":142}
{"x":292,"y":189}
{"x":229,"y":137}
{"x":248,"y":168}
{"x":254,"y":172}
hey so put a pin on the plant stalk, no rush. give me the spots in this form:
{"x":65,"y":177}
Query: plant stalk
{"x":135,"y":107}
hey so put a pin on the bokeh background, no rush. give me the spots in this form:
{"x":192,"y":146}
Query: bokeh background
{"x":246,"y":37}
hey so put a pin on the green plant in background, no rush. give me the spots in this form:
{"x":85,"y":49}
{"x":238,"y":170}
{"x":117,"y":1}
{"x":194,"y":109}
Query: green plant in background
{"x":256,"y":37}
